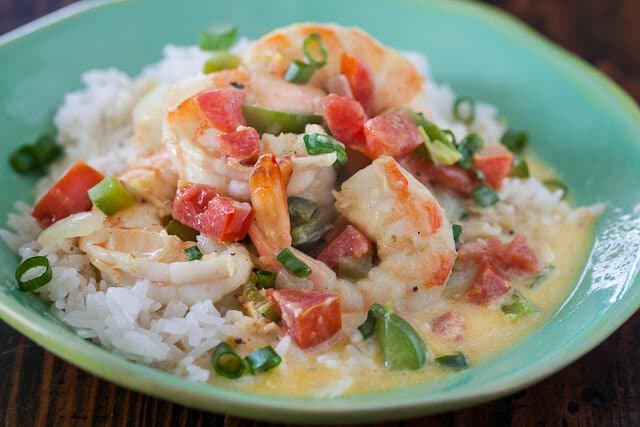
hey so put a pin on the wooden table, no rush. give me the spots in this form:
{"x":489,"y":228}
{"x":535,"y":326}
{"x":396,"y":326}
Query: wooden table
{"x":600,"y":389}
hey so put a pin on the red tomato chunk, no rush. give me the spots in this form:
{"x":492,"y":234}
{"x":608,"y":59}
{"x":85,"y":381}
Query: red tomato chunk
{"x":222,"y":108}
{"x":308,"y":317}
{"x":360,"y":79}
{"x":242,"y":145}
{"x":450,"y":325}
{"x":345,"y":118}
{"x":218,"y":217}
{"x":494,"y":161}
{"x":393,"y":133}
{"x":350,"y":243}
{"x":453,"y":178}
{"x":68,"y":195}
{"x":486,"y":286}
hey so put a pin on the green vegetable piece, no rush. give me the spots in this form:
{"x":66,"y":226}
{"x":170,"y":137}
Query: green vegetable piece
{"x":294,"y":265}
{"x":456,"y":361}
{"x":111,"y":196}
{"x":276,"y":122}
{"x":221,"y":61}
{"x":313,"y":42}
{"x":218,"y":37}
{"x":401,"y":346}
{"x":556,"y":184}
{"x":442,"y":152}
{"x":301,"y":210}
{"x":457,"y":231}
{"x":35,"y":282}
{"x":193,"y":253}
{"x":185,"y":233}
{"x":517,"y":307}
{"x":46,"y":150}
{"x":515,"y":141}
{"x":469,"y":145}
{"x":23,"y":160}
{"x":355,"y":269}
{"x":520,"y":168}
{"x":485,"y":196}
{"x":263,"y":279}
{"x":369,"y":326}
{"x":464,"y":109}
{"x":434,"y":132}
{"x":544,"y":275}
{"x":257,"y":304}
{"x":227,"y":363}
{"x":262,"y":360}
{"x":299,"y":72}
{"x":313,"y":230}
{"x":318,"y":143}
{"x":450,"y":136}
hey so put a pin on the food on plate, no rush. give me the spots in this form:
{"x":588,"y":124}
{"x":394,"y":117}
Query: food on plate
{"x":304,"y":214}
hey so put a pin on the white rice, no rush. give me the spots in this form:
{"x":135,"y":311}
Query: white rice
{"x":94,"y":124}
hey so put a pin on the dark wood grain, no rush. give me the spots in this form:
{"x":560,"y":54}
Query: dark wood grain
{"x":600,"y":389}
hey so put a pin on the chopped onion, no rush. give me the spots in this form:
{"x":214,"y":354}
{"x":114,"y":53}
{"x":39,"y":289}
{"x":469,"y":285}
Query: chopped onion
{"x":77,"y":225}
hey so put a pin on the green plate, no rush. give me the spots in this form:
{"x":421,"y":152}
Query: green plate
{"x":580,"y":123}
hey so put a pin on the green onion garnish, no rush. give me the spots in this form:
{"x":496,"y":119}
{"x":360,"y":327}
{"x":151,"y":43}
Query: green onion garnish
{"x":111,"y":196}
{"x":318,"y":143}
{"x":520,"y":168}
{"x":276,"y":122}
{"x":38,"y":281}
{"x":355,"y":269}
{"x":221,"y":61}
{"x":556,"y":184}
{"x":515,"y":141}
{"x":456,"y":361}
{"x":300,"y":72}
{"x":485,"y":196}
{"x":185,"y":233}
{"x":313,"y":230}
{"x":23,"y":160}
{"x":263,"y":279}
{"x":517,"y":306}
{"x":219,"y":37}
{"x":400,"y":344}
{"x":369,"y":326}
{"x":193,"y":253}
{"x":442,"y":152}
{"x":464,"y":110}
{"x":544,"y":275}
{"x":450,"y":136}
{"x":294,"y":265}
{"x":37,"y":156}
{"x":257,"y":304}
{"x":457,"y":231}
{"x":469,"y":145}
{"x":226,"y":362}
{"x":300,"y":210}
{"x":314,"y":42}
{"x":262,"y":360}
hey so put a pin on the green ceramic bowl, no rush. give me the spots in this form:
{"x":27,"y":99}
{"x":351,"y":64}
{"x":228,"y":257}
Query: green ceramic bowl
{"x":580,"y":122}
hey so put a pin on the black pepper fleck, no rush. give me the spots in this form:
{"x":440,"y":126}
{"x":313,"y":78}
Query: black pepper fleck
{"x":415,"y":289}
{"x":237,"y":85}
{"x":239,"y":341}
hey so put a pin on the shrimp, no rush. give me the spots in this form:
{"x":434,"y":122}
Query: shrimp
{"x":134,"y":245}
{"x":396,"y":81}
{"x":413,"y":236}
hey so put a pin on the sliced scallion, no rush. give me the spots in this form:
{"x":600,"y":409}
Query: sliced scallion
{"x":556,"y":184}
{"x":23,"y":160}
{"x":314,"y":42}
{"x":464,"y":110}
{"x":313,"y":230}
{"x":456,"y":361}
{"x":39,"y":281}
{"x":517,"y":306}
{"x":540,"y":278}
{"x":193,"y":253}
{"x":441,"y":151}
{"x":276,"y":122}
{"x":450,"y":136}
{"x":515,"y":141}
{"x":457,"y":231}
{"x":227,"y":363}
{"x":111,"y":196}
{"x":368,"y":328}
{"x":293,"y":264}
{"x":520,"y":168}
{"x":485,"y":196}
{"x":469,"y":145}
{"x":263,"y":279}
{"x":355,"y":269}
{"x":185,"y":233}
{"x":219,"y":37}
{"x":317,"y":143}
{"x":299,"y":72}
{"x":37,"y":156}
{"x":221,"y":61}
{"x":300,"y":210}
{"x":262,"y":360}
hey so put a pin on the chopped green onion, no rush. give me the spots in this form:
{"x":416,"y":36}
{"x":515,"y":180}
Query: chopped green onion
{"x":299,"y":72}
{"x":262,"y":360}
{"x":23,"y":160}
{"x":544,"y":275}
{"x":485,"y":196}
{"x":318,"y":143}
{"x":457,"y":231}
{"x":450,"y":136}
{"x":434,"y":132}
{"x":355,"y":269}
{"x":556,"y":184}
{"x":441,"y":152}
{"x":111,"y":196}
{"x":37,"y":156}
{"x":227,"y":363}
{"x":517,"y":306}
{"x":314,"y":41}
{"x":464,"y":110}
{"x":456,"y":361}
{"x":313,"y":230}
{"x":193,"y":253}
{"x":185,"y":233}
{"x":294,"y":265}
{"x":276,"y":122}
{"x":220,"y":37}
{"x":520,"y":168}
{"x":38,"y":281}
{"x":400,"y":344}
{"x":369,"y":326}
{"x":257,"y":304}
{"x":263,"y":279}
{"x":300,"y":210}
{"x":469,"y":145}
{"x":515,"y":141}
{"x":221,"y":61}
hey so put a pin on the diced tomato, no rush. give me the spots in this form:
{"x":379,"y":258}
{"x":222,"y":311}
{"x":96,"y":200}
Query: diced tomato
{"x":222,"y":108}
{"x":308,"y":317}
{"x":219,"y":217}
{"x":450,"y":325}
{"x":393,"y":133}
{"x":514,"y":256}
{"x":453,"y":178}
{"x":350,"y":243}
{"x":360,"y":79}
{"x":242,"y":145}
{"x":68,"y":195}
{"x":494,"y":161}
{"x":345,"y":118}
{"x":486,"y":286}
